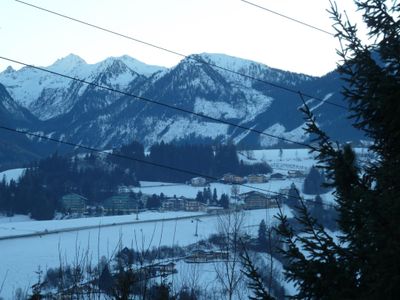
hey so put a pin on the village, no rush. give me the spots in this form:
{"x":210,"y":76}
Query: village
{"x":133,"y":200}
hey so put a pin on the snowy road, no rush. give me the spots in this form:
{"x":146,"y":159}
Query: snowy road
{"x":87,"y":227}
{"x":21,"y":257}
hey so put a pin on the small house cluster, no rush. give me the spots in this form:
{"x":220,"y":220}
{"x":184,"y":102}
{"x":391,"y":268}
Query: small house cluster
{"x":258,"y":200}
{"x":126,"y":202}
{"x":182,"y":203}
{"x":203,"y":256}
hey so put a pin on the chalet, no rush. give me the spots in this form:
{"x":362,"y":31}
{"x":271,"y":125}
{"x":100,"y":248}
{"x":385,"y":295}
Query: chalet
{"x":73,"y":203}
{"x":257,"y":178}
{"x":257,"y":200}
{"x":122,"y":203}
{"x":202,"y":256}
{"x":167,"y":268}
{"x":193,"y":205}
{"x":295,"y":174}
{"x":173,"y":204}
{"x":198,"y":181}
{"x":277,"y":176}
{"x":233,"y":179}
{"x":123,"y":189}
{"x":160,"y":269}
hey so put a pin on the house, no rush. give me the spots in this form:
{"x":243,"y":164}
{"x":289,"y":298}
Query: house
{"x":193,"y":205}
{"x":233,"y":179}
{"x":73,"y":203}
{"x":123,"y":189}
{"x":257,"y":178}
{"x":167,"y":268}
{"x":203,"y":256}
{"x":160,"y":269}
{"x":295,"y":174}
{"x":173,"y":204}
{"x":198,"y":181}
{"x":277,"y":176}
{"x":257,"y":200}
{"x":122,"y":203}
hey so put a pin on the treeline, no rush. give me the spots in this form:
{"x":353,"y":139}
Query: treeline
{"x":43,"y":184}
{"x":207,"y":160}
{"x":97,"y":176}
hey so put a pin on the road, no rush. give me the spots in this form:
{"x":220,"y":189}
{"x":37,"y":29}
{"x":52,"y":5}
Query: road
{"x":79,"y":228}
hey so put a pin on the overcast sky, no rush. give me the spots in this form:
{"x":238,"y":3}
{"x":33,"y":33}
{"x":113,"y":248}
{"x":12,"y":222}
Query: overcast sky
{"x":186,"y":26}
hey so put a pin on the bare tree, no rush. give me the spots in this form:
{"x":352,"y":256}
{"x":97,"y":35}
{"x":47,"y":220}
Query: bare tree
{"x":228,"y":271}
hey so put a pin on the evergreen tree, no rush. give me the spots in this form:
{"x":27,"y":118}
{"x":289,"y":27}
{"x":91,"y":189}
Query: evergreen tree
{"x":262,"y":235}
{"x":106,"y":280}
{"x":224,"y":201}
{"x":293,"y":197}
{"x":365,"y":264}
{"x":317,"y":210}
{"x":313,"y":183}
{"x":214,"y":196}
{"x":153,"y":202}
{"x":200,"y":197}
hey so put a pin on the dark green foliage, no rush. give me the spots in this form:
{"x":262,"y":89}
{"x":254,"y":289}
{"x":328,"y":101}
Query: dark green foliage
{"x":106,"y":280}
{"x":199,"y":196}
{"x":200,"y":159}
{"x":159,"y":292}
{"x":262,"y":235}
{"x":255,"y":282}
{"x":293,"y":197}
{"x":314,"y":182}
{"x":154,"y":202}
{"x":326,"y":215}
{"x":214,"y":196}
{"x":224,"y":201}
{"x":205,"y":195}
{"x":42,"y":185}
{"x":365,"y":263}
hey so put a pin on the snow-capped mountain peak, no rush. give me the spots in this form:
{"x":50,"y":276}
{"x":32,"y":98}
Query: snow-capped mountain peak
{"x":140,"y":67}
{"x":228,"y":62}
{"x":9,"y":70}
{"x":68,"y":63}
{"x":105,"y":118}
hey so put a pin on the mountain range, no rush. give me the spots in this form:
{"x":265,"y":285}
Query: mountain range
{"x":62,"y":108}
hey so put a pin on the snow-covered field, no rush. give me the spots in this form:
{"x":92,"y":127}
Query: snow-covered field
{"x":13,"y":174}
{"x":21,"y":257}
{"x":14,"y":218}
{"x":271,"y":187}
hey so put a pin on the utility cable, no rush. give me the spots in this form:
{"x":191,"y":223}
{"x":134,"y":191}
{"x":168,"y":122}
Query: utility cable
{"x":191,"y":57}
{"x":148,"y":100}
{"x":286,"y":17}
{"x":163,"y":166}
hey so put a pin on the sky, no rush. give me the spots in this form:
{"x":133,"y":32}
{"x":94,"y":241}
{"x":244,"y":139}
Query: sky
{"x":186,"y":26}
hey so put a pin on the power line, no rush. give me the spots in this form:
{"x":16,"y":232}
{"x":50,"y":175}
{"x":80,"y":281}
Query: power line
{"x":202,"y":61}
{"x":148,"y":100}
{"x":286,"y":17}
{"x":172,"y":168}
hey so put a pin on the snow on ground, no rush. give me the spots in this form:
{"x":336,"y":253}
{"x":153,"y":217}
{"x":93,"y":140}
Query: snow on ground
{"x":21,"y":228}
{"x":13,"y":219}
{"x":271,"y":187}
{"x":12,"y":174}
{"x":21,"y":257}
{"x":185,"y":190}
{"x":289,"y":159}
